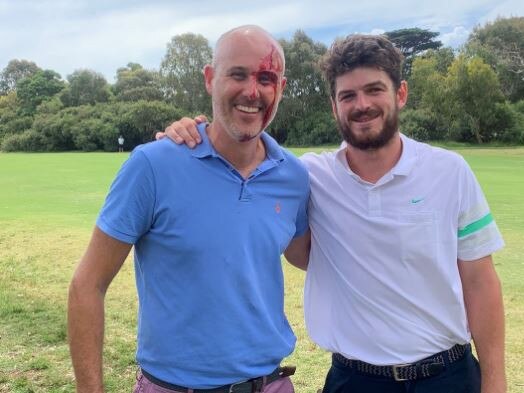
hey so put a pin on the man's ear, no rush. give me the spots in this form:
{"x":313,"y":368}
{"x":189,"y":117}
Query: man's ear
{"x":208,"y":77}
{"x":283,"y":84}
{"x":333,"y":107}
{"x":402,"y":94}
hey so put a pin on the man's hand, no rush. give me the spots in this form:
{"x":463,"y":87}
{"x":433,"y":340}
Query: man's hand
{"x":485,"y":311}
{"x":183,"y":131}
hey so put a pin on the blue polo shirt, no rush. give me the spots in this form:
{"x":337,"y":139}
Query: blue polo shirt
{"x":207,"y":258}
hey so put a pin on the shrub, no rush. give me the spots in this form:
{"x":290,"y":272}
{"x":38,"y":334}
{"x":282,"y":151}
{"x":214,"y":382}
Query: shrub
{"x":422,"y":125}
{"x":29,"y":140}
{"x":318,"y":128}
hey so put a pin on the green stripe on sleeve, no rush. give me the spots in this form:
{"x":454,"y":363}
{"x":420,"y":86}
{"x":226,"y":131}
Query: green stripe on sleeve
{"x":475,"y":226}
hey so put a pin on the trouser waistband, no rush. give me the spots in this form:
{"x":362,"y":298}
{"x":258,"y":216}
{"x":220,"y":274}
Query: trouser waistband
{"x":250,"y":386}
{"x":428,"y":367}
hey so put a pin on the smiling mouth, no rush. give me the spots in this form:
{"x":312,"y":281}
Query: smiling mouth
{"x":365,"y":116}
{"x":363,"y":119}
{"x":247,"y":109}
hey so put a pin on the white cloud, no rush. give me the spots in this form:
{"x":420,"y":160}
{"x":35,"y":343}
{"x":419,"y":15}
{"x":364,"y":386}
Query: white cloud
{"x":456,"y":37}
{"x":105,"y":35}
{"x":507,"y":8}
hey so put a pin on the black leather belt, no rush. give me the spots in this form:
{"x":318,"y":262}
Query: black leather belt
{"x":250,"y":386}
{"x":428,"y":367}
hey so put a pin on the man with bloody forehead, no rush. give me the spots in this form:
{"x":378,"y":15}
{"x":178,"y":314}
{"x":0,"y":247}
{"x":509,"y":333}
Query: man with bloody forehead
{"x":208,"y":226}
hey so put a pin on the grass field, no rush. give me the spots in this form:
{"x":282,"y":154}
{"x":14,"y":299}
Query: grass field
{"x":48,"y":205}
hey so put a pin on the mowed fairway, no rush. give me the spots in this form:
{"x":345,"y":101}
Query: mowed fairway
{"x":48,"y":206}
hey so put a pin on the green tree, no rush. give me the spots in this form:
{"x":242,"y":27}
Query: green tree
{"x":425,"y":83}
{"x":428,"y":89}
{"x":11,"y":120}
{"x":182,"y":72}
{"x":33,"y":90}
{"x":85,"y":87}
{"x":412,"y":42}
{"x":26,"y":141}
{"x":8,"y":111}
{"x":54,"y":130}
{"x":305,"y":95}
{"x":510,"y":121}
{"x":501,"y":45}
{"x":423,"y":124}
{"x":134,"y":83}
{"x":139,"y":121}
{"x":475,"y":92}
{"x":86,"y":127}
{"x":443,"y":56}
{"x":95,"y":129}
{"x":14,"y":71}
{"x":427,"y":115}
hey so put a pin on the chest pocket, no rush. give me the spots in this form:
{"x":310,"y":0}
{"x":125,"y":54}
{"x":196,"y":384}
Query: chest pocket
{"x":418,"y":237}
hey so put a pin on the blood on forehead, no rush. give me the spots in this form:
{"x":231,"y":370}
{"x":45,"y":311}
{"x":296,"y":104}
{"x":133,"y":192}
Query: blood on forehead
{"x":272,"y":62}
{"x":270,"y":66}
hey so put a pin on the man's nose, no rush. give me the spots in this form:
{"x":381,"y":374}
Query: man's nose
{"x":362,"y":101}
{"x":253,"y":92}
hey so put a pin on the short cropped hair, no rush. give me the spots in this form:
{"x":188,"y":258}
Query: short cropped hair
{"x":362,"y":50}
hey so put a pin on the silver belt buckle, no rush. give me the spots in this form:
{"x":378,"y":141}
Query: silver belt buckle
{"x":232,"y":386}
{"x":396,"y":373}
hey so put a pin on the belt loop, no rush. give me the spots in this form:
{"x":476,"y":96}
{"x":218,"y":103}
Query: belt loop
{"x":257,"y":387}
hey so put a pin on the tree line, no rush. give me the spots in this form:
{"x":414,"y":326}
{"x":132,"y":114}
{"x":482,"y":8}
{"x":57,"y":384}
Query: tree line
{"x":474,"y":94}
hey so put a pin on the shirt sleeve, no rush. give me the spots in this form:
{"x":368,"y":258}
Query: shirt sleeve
{"x":478,"y":234}
{"x":128,"y":210}
{"x":302,"y":223}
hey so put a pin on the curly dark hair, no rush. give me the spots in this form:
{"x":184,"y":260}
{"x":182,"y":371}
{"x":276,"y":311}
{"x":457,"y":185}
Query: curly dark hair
{"x":362,"y":50}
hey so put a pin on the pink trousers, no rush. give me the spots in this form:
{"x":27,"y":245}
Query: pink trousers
{"x":143,"y":385}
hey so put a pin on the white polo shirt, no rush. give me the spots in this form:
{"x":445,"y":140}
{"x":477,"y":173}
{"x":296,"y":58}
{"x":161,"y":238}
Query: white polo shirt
{"x":383,"y":284}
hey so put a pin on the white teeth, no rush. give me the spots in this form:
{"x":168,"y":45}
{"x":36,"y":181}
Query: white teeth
{"x":364,"y":119}
{"x":248,"y":109}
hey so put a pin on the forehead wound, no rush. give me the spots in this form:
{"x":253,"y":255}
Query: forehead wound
{"x":273,"y":61}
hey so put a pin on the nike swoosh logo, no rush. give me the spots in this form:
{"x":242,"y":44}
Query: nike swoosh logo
{"x":417,"y":200}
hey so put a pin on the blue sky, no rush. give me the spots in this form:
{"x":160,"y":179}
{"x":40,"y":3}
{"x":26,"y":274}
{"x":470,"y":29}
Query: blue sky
{"x":103,"y":35}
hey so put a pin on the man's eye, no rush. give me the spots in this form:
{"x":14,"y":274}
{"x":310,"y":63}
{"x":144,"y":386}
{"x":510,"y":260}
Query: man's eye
{"x":374,"y":90}
{"x":239,"y":76}
{"x":266,"y":78}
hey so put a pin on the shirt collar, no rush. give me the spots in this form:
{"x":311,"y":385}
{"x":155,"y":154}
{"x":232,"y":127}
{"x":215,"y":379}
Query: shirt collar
{"x":404,"y":165}
{"x":274,"y":152}
{"x":408,"y":157}
{"x":205,"y":148}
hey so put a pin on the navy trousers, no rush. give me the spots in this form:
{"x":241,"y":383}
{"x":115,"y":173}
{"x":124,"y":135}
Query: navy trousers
{"x":461,"y":376}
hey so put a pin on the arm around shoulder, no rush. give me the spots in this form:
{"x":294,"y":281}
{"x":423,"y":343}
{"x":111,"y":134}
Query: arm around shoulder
{"x":97,"y":268}
{"x":297,"y":252}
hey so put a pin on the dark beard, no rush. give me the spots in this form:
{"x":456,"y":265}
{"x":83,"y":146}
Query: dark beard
{"x":386,"y":134}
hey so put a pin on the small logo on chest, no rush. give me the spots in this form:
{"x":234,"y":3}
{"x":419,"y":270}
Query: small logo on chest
{"x":277,"y":208}
{"x":417,"y":200}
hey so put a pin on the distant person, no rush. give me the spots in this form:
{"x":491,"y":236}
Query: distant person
{"x":400,"y":274}
{"x":120,"y":144}
{"x":209,"y":279}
